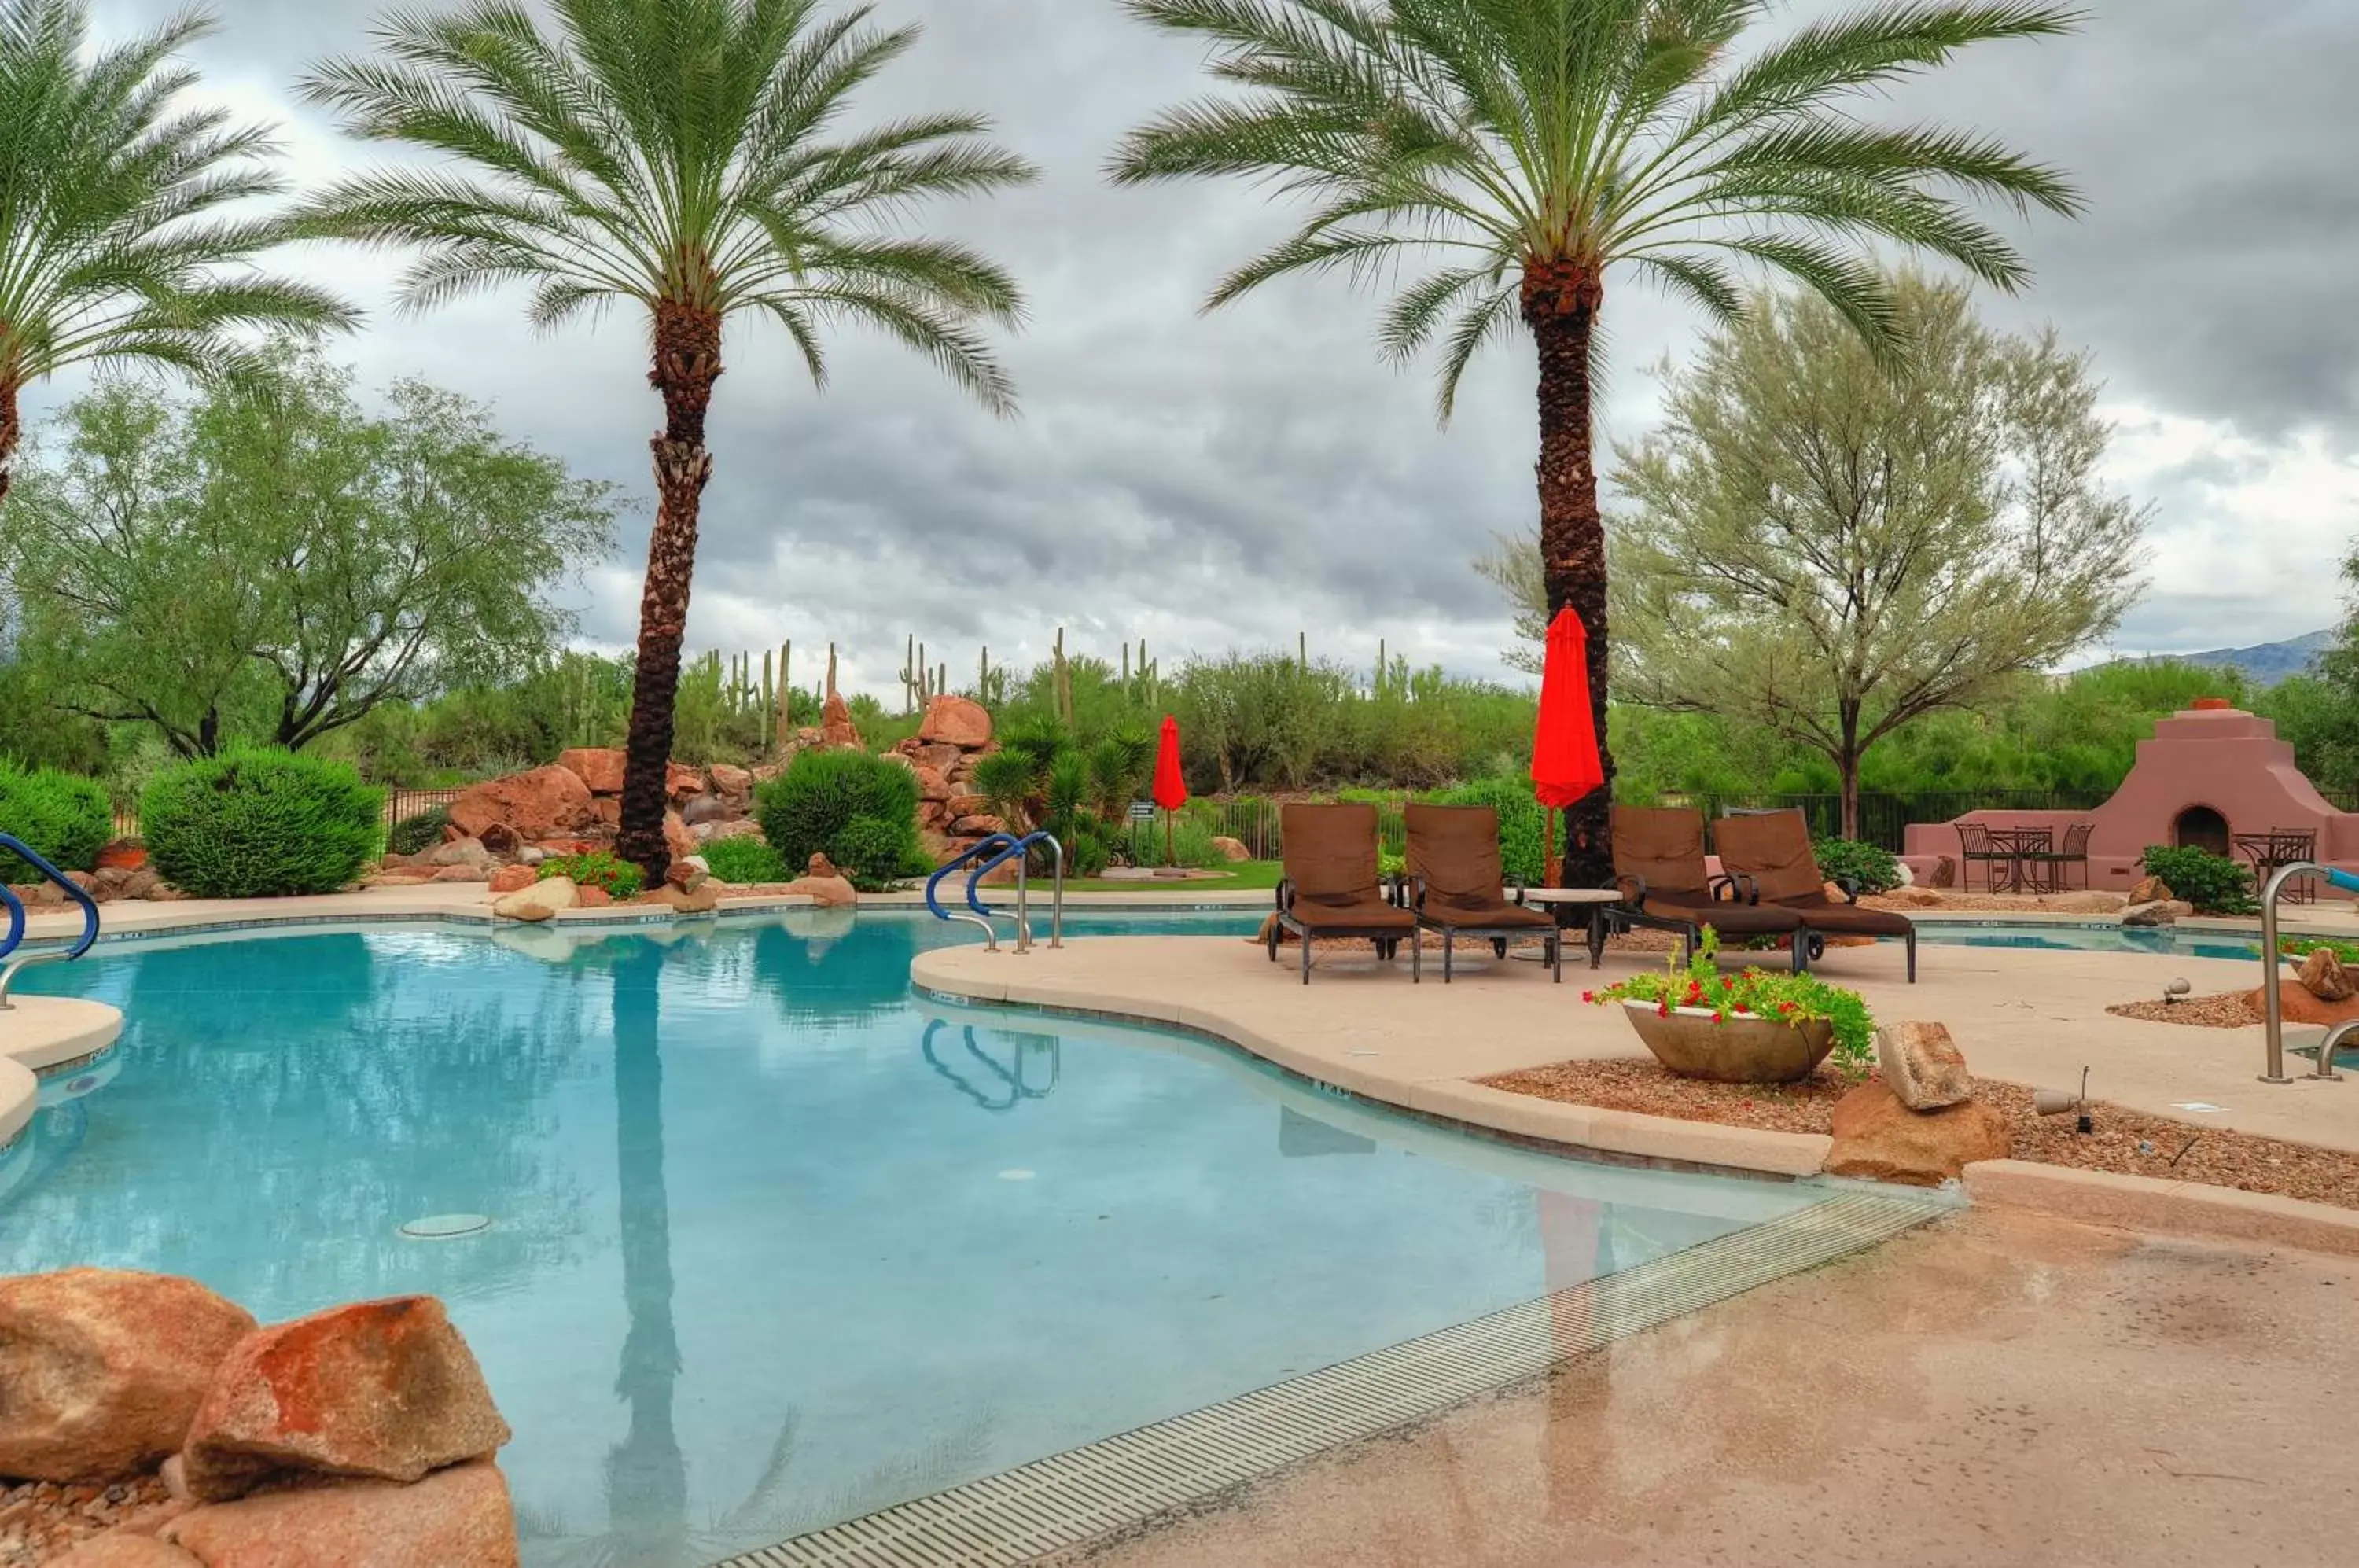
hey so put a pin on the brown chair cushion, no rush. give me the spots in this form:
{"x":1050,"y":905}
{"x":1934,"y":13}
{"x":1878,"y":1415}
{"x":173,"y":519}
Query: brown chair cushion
{"x":1330,"y":852}
{"x":1454,"y":850}
{"x":1774,"y":850}
{"x":1502,"y":916}
{"x":1356,"y":919}
{"x":1664,"y":846}
{"x":1728,"y":918}
{"x":1850,"y":919}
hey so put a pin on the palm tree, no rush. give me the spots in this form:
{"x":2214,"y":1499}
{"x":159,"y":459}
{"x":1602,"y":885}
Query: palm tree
{"x":1524,"y":148}
{"x":677,"y":156}
{"x":112,"y":248}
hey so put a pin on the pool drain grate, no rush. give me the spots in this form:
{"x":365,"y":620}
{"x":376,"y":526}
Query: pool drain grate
{"x":1061,"y":1501}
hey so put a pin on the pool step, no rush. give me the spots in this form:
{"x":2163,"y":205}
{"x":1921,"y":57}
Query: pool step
{"x":1059,"y":1502}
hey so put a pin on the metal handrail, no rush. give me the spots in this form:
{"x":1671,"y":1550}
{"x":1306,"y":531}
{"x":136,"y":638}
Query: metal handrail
{"x":2272,"y":1004}
{"x":16,"y":919}
{"x":1020,"y":851}
{"x":981,"y":915}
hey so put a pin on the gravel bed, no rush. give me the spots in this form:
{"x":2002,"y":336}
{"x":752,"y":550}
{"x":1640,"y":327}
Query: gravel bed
{"x":39,"y":1520}
{"x":2125,"y":1141}
{"x":2229,"y":1009}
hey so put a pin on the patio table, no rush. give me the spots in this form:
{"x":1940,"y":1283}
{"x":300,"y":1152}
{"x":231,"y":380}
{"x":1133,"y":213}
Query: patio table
{"x":1564,"y":903}
{"x":2025,"y":849}
{"x":2272,"y":851}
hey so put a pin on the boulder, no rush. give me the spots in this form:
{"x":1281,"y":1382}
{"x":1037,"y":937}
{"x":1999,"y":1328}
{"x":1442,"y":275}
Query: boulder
{"x":163,"y":892}
{"x":384,"y":1390}
{"x":2151,"y":891}
{"x":453,"y":1517}
{"x":1924,"y":1066}
{"x":2321,"y":975}
{"x":546,"y":802}
{"x":820,"y":865}
{"x":599,"y":768}
{"x":681,"y":783}
{"x":835,"y":727}
{"x":102,"y":1369}
{"x":85,"y":880}
{"x":934,"y":784}
{"x":828,"y":891}
{"x":2298,"y":1005}
{"x":678,"y":840}
{"x":396,"y":880}
{"x":608,"y":811}
{"x":955,"y":720}
{"x":702,"y":809}
{"x":979,"y":827}
{"x":958,"y":806}
{"x":591,"y":898}
{"x":2090,"y":902}
{"x":539,"y":902}
{"x":1877,"y":1137}
{"x":939,"y":755}
{"x":121,"y":1548}
{"x":1231,"y":849}
{"x":464,"y":873}
{"x":740,"y":827}
{"x":689,"y":872}
{"x":500,"y":841}
{"x":2158,"y":912}
{"x":702,"y":901}
{"x":512,"y":878}
{"x":734,"y":785}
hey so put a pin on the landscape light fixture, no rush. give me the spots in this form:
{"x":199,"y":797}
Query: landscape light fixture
{"x":2177,"y":990}
{"x":2064,"y":1102}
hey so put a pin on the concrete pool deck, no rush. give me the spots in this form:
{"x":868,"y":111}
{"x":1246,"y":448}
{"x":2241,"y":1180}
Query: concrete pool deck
{"x":2026,"y":1016}
{"x":1995,"y":1387}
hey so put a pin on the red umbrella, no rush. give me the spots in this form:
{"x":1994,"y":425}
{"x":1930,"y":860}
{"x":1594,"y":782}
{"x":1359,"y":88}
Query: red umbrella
{"x":1565,"y":764}
{"x":1170,"y":788}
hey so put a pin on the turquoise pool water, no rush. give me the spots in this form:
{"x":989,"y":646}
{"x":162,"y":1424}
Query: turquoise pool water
{"x":775,"y":1242}
{"x":2095,"y":939}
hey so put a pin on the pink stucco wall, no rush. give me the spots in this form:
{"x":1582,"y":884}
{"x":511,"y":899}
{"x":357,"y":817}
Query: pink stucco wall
{"x":2221,"y":757}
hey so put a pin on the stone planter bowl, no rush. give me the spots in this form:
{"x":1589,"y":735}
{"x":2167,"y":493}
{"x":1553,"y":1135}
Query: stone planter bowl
{"x":1745,"y":1050}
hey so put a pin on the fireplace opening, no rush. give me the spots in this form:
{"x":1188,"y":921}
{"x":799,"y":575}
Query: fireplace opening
{"x":2201,"y":827}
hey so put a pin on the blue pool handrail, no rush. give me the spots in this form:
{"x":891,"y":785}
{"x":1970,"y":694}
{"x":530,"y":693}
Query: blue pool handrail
{"x":981,"y":917}
{"x":1021,"y":853}
{"x":73,"y":890}
{"x":16,"y":919}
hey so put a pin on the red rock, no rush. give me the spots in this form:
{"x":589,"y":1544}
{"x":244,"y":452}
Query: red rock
{"x":543,"y":803}
{"x":676,"y":838}
{"x":939,"y":755}
{"x":681,"y":783}
{"x":608,"y":809}
{"x":591,"y":898}
{"x":2298,"y":1007}
{"x":980,"y":826}
{"x":123,"y":853}
{"x":932,"y":784}
{"x":500,"y":839}
{"x":2151,"y":891}
{"x":463,"y":874}
{"x":835,"y":728}
{"x":599,"y":768}
{"x":827,"y":891}
{"x":955,"y":720}
{"x":396,"y":879}
{"x":101,"y":1370}
{"x":732,"y":784}
{"x":702,"y":901}
{"x":458,"y":1518}
{"x":1924,"y":1066}
{"x":378,"y":1388}
{"x":2322,"y":975}
{"x":1233,"y":849}
{"x":967,"y":806}
{"x":1876,"y":1136}
{"x":126,"y":1548}
{"x":820,"y":865}
{"x":509,"y":879}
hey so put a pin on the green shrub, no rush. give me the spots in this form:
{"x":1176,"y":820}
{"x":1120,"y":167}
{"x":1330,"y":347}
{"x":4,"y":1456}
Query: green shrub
{"x":874,"y":853}
{"x":2214,"y":884}
{"x":744,"y":861}
{"x":259,"y":824}
{"x":417,"y":833}
{"x":806,"y":809}
{"x":1872,"y":866}
{"x":597,"y":869}
{"x":62,"y":817}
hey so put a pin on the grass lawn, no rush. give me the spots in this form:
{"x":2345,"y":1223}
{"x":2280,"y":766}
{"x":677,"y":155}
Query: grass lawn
{"x":1258,"y":875}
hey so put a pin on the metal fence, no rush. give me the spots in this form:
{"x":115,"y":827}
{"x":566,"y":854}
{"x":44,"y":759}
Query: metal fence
{"x":400,"y":802}
{"x":1884,"y":819}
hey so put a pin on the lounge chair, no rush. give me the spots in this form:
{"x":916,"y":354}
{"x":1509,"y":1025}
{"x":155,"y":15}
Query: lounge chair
{"x":1773,"y":852}
{"x":1458,"y":887}
{"x":1331,"y":887}
{"x":1658,"y":863}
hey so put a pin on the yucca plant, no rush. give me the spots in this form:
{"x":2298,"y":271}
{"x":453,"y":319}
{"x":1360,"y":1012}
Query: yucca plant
{"x":1526,"y":149}
{"x":681,"y":158}
{"x":113,"y":246}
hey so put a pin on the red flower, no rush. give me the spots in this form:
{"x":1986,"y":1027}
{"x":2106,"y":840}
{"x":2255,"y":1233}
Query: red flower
{"x":1664,"y":1011}
{"x":1589,"y":996}
{"x":1784,"y":1007}
{"x":1716,"y":1017}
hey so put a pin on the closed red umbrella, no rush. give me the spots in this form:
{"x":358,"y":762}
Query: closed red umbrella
{"x":1170,"y":788}
{"x":1565,"y":764}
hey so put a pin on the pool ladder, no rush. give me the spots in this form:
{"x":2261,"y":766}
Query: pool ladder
{"x":17,"y":962}
{"x":999,"y":848}
{"x":2272,"y":1005}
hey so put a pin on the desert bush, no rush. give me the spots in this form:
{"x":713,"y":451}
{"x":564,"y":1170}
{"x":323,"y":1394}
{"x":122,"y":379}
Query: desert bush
{"x":2214,"y":884}
{"x":806,"y":809}
{"x":62,"y":817}
{"x":745,"y":860}
{"x":1873,"y":867}
{"x":259,"y":823}
{"x":416,"y":833}
{"x":874,"y":853}
{"x":600,"y":869}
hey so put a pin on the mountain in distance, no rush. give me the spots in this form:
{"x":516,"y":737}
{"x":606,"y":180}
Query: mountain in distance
{"x":2266,"y":663}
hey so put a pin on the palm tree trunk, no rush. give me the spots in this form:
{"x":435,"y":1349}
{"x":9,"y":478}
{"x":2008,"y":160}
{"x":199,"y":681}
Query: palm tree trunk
{"x":1561,"y":301}
{"x":687,"y":363}
{"x":11,"y":429}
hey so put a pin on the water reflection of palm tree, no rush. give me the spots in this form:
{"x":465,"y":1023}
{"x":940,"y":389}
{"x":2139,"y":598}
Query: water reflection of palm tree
{"x":646,"y":1478}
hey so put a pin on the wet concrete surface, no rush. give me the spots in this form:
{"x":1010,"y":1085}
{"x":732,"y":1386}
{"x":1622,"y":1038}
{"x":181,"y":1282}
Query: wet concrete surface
{"x":1994,"y":1389}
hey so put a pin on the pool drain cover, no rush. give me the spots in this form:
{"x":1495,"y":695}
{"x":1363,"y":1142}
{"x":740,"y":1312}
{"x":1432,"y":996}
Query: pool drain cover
{"x":446,"y":1227}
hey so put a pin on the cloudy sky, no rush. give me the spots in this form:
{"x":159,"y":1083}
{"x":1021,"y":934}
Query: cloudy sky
{"x":1206,"y":483}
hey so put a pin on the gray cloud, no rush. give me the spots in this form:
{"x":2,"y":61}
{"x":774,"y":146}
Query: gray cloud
{"x":1207,"y":482}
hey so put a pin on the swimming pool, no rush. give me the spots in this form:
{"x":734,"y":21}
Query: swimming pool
{"x":774,"y":1241}
{"x":2167,"y":939}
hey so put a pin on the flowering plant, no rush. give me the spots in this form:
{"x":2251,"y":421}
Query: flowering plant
{"x":1778,"y":997}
